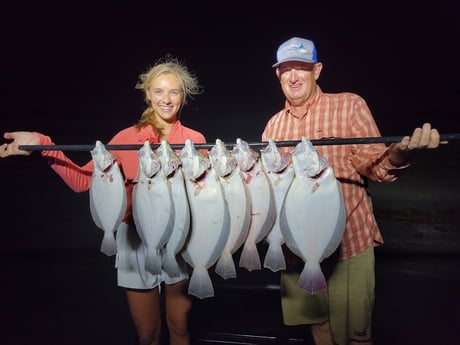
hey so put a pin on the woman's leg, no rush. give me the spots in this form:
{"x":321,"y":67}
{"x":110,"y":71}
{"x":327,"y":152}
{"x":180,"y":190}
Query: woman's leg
{"x":145,"y":312}
{"x":178,"y":304}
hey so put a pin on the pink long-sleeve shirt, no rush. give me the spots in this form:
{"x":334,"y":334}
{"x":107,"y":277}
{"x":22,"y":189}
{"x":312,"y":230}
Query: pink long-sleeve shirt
{"x":79,"y":177}
{"x":343,"y":115}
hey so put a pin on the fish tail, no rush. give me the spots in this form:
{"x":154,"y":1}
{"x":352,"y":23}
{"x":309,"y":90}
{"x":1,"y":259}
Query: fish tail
{"x":250,"y":258}
{"x":312,"y":279}
{"x":200,"y":283}
{"x":170,"y":265}
{"x":186,"y":256}
{"x":225,"y":267}
{"x":109,"y":245}
{"x":152,"y":261}
{"x":274,"y":259}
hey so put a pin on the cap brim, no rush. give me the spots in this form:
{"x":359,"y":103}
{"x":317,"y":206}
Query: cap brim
{"x":293,"y":60}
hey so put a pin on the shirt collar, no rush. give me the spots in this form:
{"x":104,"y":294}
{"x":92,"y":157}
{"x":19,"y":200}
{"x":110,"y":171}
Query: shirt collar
{"x":304,"y":109}
{"x":147,"y":133}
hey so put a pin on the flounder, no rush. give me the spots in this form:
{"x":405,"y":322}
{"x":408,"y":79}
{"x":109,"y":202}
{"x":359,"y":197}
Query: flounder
{"x":171,"y":166}
{"x":263,"y":211}
{"x":153,"y":208}
{"x":107,"y":196}
{"x":313,"y":214}
{"x":280,"y":174}
{"x":210,"y":219}
{"x":239,"y":205}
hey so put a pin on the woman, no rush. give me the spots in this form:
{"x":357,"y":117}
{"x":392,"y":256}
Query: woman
{"x":167,"y":87}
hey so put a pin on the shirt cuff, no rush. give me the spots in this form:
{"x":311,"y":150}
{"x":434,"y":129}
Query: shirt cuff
{"x":386,"y":164}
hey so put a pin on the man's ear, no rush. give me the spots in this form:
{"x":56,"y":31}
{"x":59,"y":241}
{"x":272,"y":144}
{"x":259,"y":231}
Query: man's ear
{"x":277,"y":71}
{"x":318,"y":69}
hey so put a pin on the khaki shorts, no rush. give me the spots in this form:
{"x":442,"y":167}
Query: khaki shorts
{"x":130,"y":263}
{"x":347,"y":304}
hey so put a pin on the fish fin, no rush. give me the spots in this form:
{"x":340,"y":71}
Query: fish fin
{"x":109,"y":245}
{"x":274,"y":259}
{"x":250,"y":258}
{"x":200,"y":283}
{"x":225,"y":266}
{"x":312,"y":279}
{"x":153,"y":261}
{"x":170,"y":265}
{"x":186,"y":256}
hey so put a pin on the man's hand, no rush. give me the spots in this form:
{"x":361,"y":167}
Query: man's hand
{"x":421,"y":139}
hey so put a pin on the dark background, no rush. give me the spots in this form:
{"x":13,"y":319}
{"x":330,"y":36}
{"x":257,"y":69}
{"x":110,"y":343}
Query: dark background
{"x":69,"y":69}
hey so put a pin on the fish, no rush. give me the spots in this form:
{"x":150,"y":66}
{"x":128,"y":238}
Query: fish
{"x":194,"y":163}
{"x":280,"y":173}
{"x":263,"y":210}
{"x":210,"y":219}
{"x":153,"y":207}
{"x":312,"y":217}
{"x":107,"y":196}
{"x":239,"y":205}
{"x":172,"y":168}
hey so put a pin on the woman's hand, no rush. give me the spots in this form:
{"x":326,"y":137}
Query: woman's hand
{"x":18,"y":138}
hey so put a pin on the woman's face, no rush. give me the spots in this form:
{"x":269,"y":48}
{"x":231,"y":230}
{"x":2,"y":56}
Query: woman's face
{"x":165,"y":96}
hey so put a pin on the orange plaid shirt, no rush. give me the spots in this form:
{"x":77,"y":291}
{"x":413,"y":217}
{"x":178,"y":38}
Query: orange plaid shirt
{"x":343,"y":115}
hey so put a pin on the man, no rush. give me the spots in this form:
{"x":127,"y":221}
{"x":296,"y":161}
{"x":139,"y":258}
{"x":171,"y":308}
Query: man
{"x":342,"y":314}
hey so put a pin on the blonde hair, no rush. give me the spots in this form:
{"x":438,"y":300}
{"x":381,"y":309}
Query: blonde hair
{"x":168,"y":65}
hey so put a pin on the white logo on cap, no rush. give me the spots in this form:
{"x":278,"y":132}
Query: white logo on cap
{"x":299,"y":48}
{"x":302,"y":49}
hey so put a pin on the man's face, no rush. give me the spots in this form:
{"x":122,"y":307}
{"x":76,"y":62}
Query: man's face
{"x":298,"y":80}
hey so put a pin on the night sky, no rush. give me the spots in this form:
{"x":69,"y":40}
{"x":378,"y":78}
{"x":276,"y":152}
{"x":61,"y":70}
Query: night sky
{"x":69,"y":69}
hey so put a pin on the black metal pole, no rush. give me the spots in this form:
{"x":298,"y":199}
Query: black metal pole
{"x":325,"y":141}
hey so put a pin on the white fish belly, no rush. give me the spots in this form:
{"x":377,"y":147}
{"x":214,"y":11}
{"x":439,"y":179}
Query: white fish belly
{"x":263,"y":215}
{"x":181,"y":212}
{"x":210,"y":226}
{"x":108,"y":198}
{"x":108,"y":204}
{"x":153,"y":213}
{"x":310,"y":220}
{"x":239,"y":206}
{"x":181,"y":224}
{"x":263,"y":207}
{"x":210,"y":221}
{"x":274,"y":258}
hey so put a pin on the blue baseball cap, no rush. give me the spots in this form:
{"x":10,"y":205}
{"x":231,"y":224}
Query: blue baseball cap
{"x":296,"y":49}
